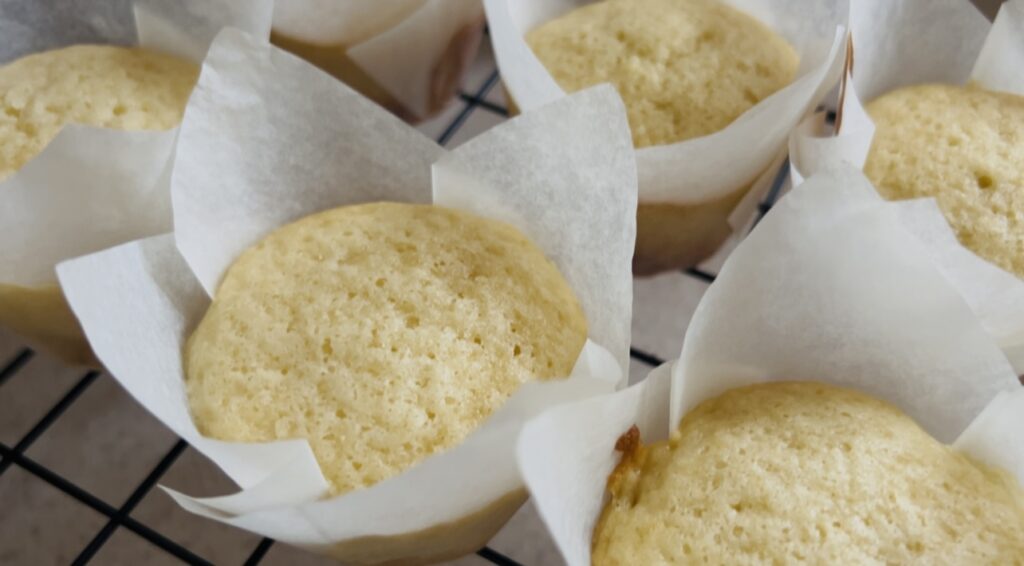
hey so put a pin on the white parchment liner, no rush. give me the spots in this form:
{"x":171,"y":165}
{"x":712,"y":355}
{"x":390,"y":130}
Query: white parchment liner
{"x":710,"y":167}
{"x":398,"y":43}
{"x":256,"y":153}
{"x":828,"y":287}
{"x":896,"y":44}
{"x":91,"y":188}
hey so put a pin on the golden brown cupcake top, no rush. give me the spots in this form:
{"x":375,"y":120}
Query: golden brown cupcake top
{"x":382,"y":333}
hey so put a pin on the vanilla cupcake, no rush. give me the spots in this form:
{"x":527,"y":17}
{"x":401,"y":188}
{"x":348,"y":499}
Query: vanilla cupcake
{"x":382,"y":333}
{"x":361,"y":357}
{"x":685,"y":69}
{"x":712,"y":93}
{"x":122,"y":88}
{"x":963,"y":146}
{"x":835,"y":400}
{"x":789,"y":472}
{"x":943,"y":123}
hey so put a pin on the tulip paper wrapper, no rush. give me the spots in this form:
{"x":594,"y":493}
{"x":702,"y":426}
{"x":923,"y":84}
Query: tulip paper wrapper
{"x":896,"y":44}
{"x":711,"y":167}
{"x":829,"y":287}
{"x":416,"y":50}
{"x":256,"y":153}
{"x":92,"y":188}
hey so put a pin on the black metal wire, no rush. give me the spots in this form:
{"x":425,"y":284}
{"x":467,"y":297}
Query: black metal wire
{"x":698,"y":273}
{"x":496,"y":557}
{"x":773,"y":194}
{"x":475,"y":101}
{"x":134,"y":499}
{"x":641,"y":356}
{"x":98,"y":505}
{"x":49,"y":418}
{"x":486,"y":105}
{"x":259,"y":552}
{"x":15,"y":364}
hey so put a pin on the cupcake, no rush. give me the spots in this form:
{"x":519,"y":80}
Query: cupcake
{"x":788,"y":472}
{"x":964,"y":147}
{"x":360,"y":357}
{"x":409,"y":56}
{"x":690,"y":72}
{"x":87,"y":133}
{"x":382,"y":333}
{"x":835,"y":400}
{"x":961,"y":96}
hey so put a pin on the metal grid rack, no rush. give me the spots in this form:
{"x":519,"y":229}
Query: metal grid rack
{"x":121,"y":517}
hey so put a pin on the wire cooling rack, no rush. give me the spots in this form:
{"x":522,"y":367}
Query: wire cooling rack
{"x":483,"y":104}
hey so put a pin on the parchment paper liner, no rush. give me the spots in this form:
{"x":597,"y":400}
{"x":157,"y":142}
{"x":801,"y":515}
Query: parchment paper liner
{"x":922,"y":41}
{"x":409,"y":56}
{"x":691,"y":191}
{"x":256,"y":153}
{"x":92,"y":188}
{"x":829,"y":287}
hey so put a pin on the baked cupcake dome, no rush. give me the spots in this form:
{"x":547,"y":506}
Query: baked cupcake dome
{"x":798,"y":471}
{"x":96,"y":85}
{"x":382,"y":333}
{"x":684,"y":68}
{"x":964,"y":146}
